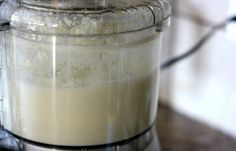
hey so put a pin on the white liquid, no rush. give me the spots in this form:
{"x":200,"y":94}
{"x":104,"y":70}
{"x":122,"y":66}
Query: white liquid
{"x":93,"y":115}
{"x":77,"y":96}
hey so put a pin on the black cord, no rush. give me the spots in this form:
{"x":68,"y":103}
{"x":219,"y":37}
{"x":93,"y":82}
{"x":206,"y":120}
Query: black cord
{"x":233,"y":19}
{"x":197,"y":47}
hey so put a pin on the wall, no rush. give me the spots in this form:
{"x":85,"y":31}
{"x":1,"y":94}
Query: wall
{"x":204,"y":85}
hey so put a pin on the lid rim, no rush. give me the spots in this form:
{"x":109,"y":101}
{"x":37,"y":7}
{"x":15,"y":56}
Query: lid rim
{"x":82,"y":35}
{"x":106,"y":21}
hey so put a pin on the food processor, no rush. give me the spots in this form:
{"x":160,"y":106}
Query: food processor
{"x":81,"y":74}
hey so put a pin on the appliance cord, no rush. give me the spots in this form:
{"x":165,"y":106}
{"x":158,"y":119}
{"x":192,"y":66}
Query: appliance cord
{"x":198,"y":45}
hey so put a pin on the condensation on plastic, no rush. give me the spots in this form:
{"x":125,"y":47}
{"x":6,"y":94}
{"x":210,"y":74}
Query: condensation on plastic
{"x":85,"y":22}
{"x":80,"y":24}
{"x":94,"y":4}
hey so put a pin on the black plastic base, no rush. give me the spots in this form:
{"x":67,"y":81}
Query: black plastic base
{"x":146,"y":141}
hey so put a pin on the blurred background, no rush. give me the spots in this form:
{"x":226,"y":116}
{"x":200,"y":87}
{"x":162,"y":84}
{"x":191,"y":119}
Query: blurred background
{"x":203,"y":86}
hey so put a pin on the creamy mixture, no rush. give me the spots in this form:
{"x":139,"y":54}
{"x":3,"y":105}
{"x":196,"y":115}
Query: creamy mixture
{"x":74,"y":96}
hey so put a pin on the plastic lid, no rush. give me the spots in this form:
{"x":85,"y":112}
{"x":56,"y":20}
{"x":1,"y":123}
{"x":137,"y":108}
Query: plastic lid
{"x":91,"y":17}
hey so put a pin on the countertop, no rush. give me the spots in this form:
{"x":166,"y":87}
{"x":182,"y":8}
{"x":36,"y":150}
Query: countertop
{"x":179,"y":133}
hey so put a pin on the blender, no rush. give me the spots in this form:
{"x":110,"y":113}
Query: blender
{"x":81,"y":74}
